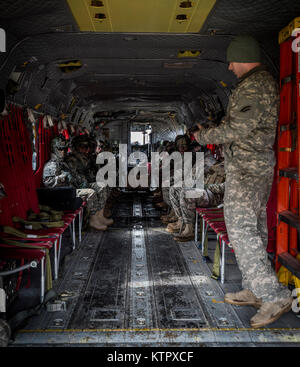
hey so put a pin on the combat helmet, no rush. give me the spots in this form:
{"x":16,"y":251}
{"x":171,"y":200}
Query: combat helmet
{"x":58,"y":143}
{"x":79,"y":139}
{"x":182,"y":140}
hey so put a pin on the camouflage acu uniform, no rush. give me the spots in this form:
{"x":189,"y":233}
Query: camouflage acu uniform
{"x":180,"y":141}
{"x":248,"y":133}
{"x":212,"y":194}
{"x":79,"y":168}
{"x":57,"y":173}
{"x":166,"y":190}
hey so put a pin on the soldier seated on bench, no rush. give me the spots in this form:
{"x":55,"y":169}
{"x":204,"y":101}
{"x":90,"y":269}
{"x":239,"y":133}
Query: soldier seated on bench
{"x":184,"y":205}
{"x":57,"y":173}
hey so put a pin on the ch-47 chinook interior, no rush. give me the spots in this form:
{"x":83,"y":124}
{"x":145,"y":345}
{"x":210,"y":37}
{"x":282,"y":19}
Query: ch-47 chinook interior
{"x":135,"y":73}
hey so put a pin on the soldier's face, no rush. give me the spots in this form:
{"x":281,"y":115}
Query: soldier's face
{"x":61,"y":152}
{"x":84,"y":149}
{"x":237,"y":68}
{"x":183,"y":148}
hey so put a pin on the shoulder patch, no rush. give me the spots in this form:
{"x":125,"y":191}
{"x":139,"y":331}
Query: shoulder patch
{"x":246,"y":109}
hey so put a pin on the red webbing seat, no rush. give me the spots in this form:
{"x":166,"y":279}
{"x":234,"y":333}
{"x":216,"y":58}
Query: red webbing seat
{"x":24,"y":253}
{"x":213,"y":218}
{"x":9,"y":251}
{"x":20,"y":181}
{"x":209,"y":210}
{"x":16,"y":167}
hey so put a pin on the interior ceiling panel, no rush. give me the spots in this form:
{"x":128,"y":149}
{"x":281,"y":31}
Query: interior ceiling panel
{"x":251,"y":17}
{"x":177,"y":16}
{"x":26,"y":18}
{"x":136,"y":46}
{"x":110,"y":54}
{"x":262,"y":19}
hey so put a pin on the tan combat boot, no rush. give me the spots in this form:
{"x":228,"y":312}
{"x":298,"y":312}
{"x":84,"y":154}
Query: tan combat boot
{"x":161,"y":205}
{"x":103,"y":219}
{"x":169,"y":218}
{"x":96,"y":224}
{"x":243,"y":298}
{"x":174,"y":227}
{"x":108,"y":208}
{"x":270,"y":312}
{"x":188,"y":234}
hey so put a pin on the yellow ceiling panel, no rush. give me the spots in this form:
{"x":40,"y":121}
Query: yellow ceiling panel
{"x":178,"y":16}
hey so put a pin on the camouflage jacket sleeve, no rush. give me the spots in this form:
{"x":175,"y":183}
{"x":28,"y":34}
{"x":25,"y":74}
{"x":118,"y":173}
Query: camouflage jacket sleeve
{"x":53,"y":176}
{"x":244,"y":112}
{"x":216,"y":188}
{"x":77,"y":180}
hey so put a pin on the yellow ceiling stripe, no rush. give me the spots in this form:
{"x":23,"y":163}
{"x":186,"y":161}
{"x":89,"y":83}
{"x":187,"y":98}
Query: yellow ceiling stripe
{"x":176,"y":16}
{"x":172,"y":16}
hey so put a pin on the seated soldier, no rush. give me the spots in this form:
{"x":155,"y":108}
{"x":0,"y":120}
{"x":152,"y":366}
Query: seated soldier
{"x":80,"y":165}
{"x":209,"y":161}
{"x":182,"y":143}
{"x":57,"y":173}
{"x":162,"y":147}
{"x":158,"y":196}
{"x":97,"y":146}
{"x":184,"y":207}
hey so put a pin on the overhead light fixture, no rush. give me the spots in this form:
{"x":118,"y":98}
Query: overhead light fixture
{"x":189,"y":53}
{"x":100,"y":16}
{"x":97,"y":3}
{"x":181,"y":17}
{"x":70,"y":65}
{"x":186,"y":4}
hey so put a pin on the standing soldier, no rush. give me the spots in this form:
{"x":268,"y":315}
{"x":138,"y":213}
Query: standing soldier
{"x":247,"y":133}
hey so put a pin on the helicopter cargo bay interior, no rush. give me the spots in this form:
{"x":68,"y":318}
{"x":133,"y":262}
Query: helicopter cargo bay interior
{"x":93,"y":91}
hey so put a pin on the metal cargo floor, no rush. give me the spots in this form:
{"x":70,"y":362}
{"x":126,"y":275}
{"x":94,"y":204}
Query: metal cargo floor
{"x":133,"y":285}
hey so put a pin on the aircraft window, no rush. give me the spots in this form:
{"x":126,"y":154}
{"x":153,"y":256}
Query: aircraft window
{"x":137,"y":138}
{"x":140,"y":137}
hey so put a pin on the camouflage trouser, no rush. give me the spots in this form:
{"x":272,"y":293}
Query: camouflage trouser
{"x":166,"y":195}
{"x":245,"y":203}
{"x":95,"y":197}
{"x":102,"y":194}
{"x":185,"y":207}
{"x":90,"y":196}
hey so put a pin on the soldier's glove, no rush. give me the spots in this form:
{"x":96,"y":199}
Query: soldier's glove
{"x":62,"y":177}
{"x":68,"y":176}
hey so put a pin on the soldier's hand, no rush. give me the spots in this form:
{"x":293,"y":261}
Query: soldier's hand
{"x":200,"y":127}
{"x":62,"y":177}
{"x":69,"y":177}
